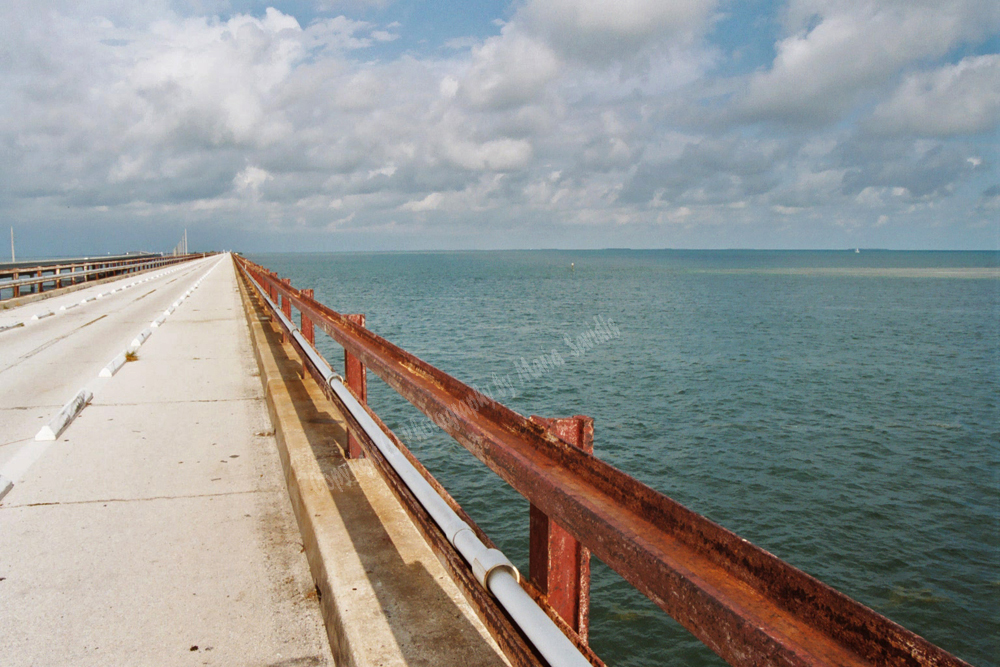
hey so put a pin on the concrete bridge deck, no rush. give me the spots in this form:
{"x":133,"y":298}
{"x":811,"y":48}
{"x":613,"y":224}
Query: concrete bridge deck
{"x":157,"y":529}
{"x":199,"y":511}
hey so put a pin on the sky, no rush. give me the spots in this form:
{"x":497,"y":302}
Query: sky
{"x":332,"y":125}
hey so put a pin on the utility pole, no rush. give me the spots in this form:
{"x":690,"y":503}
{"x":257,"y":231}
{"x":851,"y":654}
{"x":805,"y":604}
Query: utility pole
{"x":12,"y":257}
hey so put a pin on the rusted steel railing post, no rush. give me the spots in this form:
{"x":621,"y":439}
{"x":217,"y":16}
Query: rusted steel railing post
{"x":286,"y":306}
{"x":286,"y":303}
{"x":559,"y":565}
{"x":17,"y":289}
{"x":308,"y":331}
{"x":357,"y":382}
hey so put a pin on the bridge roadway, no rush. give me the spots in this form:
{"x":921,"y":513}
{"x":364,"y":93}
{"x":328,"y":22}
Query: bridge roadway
{"x":156,"y":529}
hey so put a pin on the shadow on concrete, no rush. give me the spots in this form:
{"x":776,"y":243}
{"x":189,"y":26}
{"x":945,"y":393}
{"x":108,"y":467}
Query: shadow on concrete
{"x":427,"y":625}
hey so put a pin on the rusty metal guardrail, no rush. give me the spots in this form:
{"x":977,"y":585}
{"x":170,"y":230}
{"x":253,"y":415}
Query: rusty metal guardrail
{"x":745,"y":604}
{"x":37,"y":277}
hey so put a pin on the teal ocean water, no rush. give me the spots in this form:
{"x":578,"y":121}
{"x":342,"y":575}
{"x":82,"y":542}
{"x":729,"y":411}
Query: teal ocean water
{"x":838,"y":409}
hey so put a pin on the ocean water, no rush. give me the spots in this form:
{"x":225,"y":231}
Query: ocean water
{"x":838,"y":409}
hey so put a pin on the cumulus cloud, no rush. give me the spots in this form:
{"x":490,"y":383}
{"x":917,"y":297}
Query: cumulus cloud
{"x":211,"y":81}
{"x":837,"y":50}
{"x":921,"y":170}
{"x":509,"y":70}
{"x":709,"y":171}
{"x":585,"y":114}
{"x":963,"y":98}
{"x":428,"y":203}
{"x":250,"y":180}
{"x":990,"y":200}
{"x":603,"y":31}
{"x":497,"y":155}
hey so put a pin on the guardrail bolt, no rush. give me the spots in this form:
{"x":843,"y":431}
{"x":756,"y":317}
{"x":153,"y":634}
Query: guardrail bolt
{"x":558,"y":564}
{"x":357,"y":382}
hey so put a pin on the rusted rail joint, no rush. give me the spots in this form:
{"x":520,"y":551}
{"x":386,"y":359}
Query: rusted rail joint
{"x":745,"y":604}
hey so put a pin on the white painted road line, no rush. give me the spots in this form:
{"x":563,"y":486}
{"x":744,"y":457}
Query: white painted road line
{"x":69,"y":412}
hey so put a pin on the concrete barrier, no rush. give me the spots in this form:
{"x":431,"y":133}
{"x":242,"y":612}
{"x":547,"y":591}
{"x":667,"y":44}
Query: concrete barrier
{"x":64,"y":417}
{"x":158,"y":321}
{"x":141,"y":337}
{"x":42,"y":316}
{"x":5,"y":486}
{"x":67,"y":307}
{"x":113,"y":366}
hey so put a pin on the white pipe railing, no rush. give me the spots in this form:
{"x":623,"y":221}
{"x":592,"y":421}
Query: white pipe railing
{"x":492,"y":569}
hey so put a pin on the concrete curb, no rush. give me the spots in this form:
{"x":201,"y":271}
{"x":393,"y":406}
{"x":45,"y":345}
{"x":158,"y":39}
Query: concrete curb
{"x":307,"y":489}
{"x":64,"y":417}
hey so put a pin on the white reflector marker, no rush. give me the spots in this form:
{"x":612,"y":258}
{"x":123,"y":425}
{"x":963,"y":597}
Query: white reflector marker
{"x":69,"y":412}
{"x":113,"y":366}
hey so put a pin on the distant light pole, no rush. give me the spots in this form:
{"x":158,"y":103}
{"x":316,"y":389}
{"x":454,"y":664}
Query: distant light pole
{"x":12,"y":257}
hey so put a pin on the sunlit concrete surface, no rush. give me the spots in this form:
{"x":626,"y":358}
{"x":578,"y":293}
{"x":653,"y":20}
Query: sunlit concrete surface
{"x":156,"y":530}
